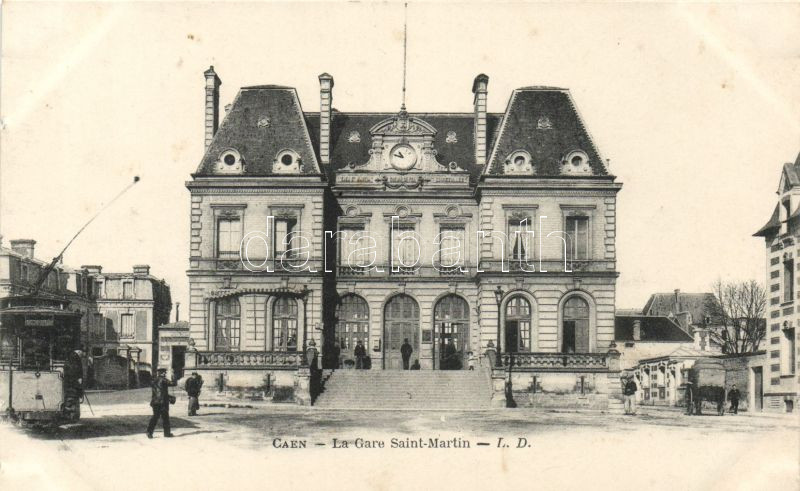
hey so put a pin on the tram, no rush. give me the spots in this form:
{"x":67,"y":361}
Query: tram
{"x":40,"y":371}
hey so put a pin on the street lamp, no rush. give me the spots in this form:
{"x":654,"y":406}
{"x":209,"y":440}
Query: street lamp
{"x":304,"y":295}
{"x":498,"y":296}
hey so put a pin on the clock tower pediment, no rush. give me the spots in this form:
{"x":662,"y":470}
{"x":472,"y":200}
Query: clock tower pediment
{"x":402,"y":143}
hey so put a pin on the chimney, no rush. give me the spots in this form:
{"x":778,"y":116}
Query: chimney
{"x":637,"y":330}
{"x":479,"y":88}
{"x":24,"y":247}
{"x":325,"y":117}
{"x":177,"y":311}
{"x":141,"y":269}
{"x":92,"y":268}
{"x":212,"y":103}
{"x":677,"y":300}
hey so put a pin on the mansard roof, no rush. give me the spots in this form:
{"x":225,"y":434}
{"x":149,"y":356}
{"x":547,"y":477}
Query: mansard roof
{"x":263,"y":120}
{"x":460,"y":149}
{"x":773,"y":224}
{"x":674,"y":303}
{"x":790,"y":177}
{"x":544,"y":122}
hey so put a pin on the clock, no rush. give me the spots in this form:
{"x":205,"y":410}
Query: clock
{"x":403,"y":157}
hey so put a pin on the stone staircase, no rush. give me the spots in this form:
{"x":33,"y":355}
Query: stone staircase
{"x":406,"y":389}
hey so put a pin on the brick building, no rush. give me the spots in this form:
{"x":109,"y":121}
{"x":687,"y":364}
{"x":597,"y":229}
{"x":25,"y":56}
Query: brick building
{"x":781,"y":234}
{"x":431,"y":227}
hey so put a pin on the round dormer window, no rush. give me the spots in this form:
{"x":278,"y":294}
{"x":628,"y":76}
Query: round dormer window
{"x":577,"y":160}
{"x":229,"y":159}
{"x":287,"y":159}
{"x":519,"y":160}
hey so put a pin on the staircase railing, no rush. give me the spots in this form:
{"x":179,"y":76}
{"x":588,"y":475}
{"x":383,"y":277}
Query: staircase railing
{"x":248,"y":359}
{"x":524,"y":361}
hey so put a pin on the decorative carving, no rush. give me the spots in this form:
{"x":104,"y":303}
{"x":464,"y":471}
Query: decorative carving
{"x":263,"y":122}
{"x":544,"y":123}
{"x":451,"y":137}
{"x":354,"y":137}
{"x":390,"y":184}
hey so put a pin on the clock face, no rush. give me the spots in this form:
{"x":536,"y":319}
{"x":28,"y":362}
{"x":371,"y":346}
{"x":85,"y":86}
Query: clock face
{"x":403,"y":157}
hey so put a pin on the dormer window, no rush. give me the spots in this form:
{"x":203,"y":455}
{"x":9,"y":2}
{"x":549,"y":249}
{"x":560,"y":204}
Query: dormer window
{"x":286,"y":162}
{"x":230,"y":162}
{"x":519,"y":162}
{"x":576,"y":163}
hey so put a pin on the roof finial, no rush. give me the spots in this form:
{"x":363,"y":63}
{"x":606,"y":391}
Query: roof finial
{"x":405,"y":44}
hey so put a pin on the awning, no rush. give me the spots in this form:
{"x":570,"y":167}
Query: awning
{"x":235,"y":292}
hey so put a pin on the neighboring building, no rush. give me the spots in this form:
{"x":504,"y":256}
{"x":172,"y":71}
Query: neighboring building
{"x":690,"y":311}
{"x":641,"y":337}
{"x":378,"y":178}
{"x":119,"y":312}
{"x":661,"y":379}
{"x":130,"y":307}
{"x":173,"y":341}
{"x":781,"y":234}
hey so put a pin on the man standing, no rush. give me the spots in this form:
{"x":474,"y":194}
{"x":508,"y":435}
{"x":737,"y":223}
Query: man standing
{"x":160,"y":403}
{"x":360,"y":353}
{"x":405,"y":352}
{"x":193,"y":386}
{"x":336,"y":353}
{"x":629,"y":391}
{"x":451,"y":363}
{"x":734,"y":395}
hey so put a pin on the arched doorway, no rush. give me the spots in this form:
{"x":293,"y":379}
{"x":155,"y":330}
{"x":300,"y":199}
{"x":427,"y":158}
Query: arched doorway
{"x":575,"y":326}
{"x":352,"y":326}
{"x":451,"y":327}
{"x":401,"y":321}
{"x":518,"y":325}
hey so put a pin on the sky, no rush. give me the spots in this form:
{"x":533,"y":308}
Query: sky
{"x":696,"y":106}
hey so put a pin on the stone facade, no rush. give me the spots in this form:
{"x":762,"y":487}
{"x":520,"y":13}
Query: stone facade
{"x":781,"y":234}
{"x":425,"y":226}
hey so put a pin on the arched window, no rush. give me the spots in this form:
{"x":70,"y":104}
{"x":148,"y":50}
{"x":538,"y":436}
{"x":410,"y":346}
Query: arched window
{"x":401,"y":322}
{"x":228,"y":332}
{"x":451,"y":325}
{"x":284,"y":324}
{"x":575,"y":329}
{"x":518,"y":325}
{"x":352,"y":323}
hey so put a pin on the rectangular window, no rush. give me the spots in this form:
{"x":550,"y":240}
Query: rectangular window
{"x":126,"y":328}
{"x":23,"y":272}
{"x":577,"y":230}
{"x":98,"y":289}
{"x":520,"y":245}
{"x":453,"y":247}
{"x":282,"y":238}
{"x":351,"y":239}
{"x":788,"y":280}
{"x":98,"y":326}
{"x":404,"y":248}
{"x":788,"y":352}
{"x":229,"y":237}
{"x":127,"y":290}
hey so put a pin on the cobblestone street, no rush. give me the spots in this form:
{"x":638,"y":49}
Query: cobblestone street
{"x":571,"y":450}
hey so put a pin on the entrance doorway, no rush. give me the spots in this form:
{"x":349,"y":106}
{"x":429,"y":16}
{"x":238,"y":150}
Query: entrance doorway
{"x":401,"y":321}
{"x":758,"y":389}
{"x":451,"y":323}
{"x":178,"y":361}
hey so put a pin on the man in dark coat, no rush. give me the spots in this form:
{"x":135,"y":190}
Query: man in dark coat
{"x":160,"y":403}
{"x":734,"y":396}
{"x":360,"y":353}
{"x":193,"y":386}
{"x":405,"y":352}
{"x":450,"y":356}
{"x":629,"y":392}
{"x":336,"y":353}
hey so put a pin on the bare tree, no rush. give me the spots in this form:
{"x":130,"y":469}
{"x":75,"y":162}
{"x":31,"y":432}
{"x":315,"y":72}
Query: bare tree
{"x":737,"y":309}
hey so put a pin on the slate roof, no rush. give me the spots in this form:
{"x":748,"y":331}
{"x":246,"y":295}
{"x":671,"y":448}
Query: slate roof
{"x":773,"y":224}
{"x":259,"y":144}
{"x":792,"y":173}
{"x":290,"y":127}
{"x":682,"y":352}
{"x":663,"y":304}
{"x":653,"y":329}
{"x":547,"y":147}
{"x":462,"y":151}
